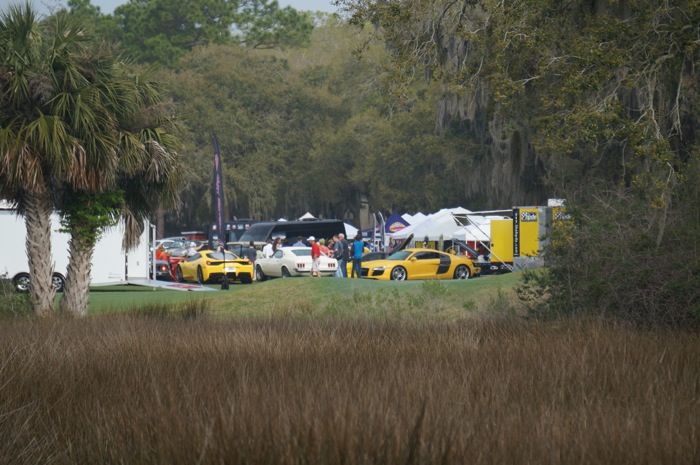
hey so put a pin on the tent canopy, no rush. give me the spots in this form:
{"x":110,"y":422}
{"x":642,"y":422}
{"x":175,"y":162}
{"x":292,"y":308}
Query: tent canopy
{"x":434,"y":227}
{"x":395,"y":223}
{"x":350,"y":231}
{"x":478,"y":228}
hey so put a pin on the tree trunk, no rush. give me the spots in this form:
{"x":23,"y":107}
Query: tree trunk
{"x":161,"y":223}
{"x":37,"y":218}
{"x":75,"y":295}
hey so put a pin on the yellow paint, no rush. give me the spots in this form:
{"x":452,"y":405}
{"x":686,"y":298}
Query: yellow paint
{"x":529,"y":231}
{"x":502,"y":241}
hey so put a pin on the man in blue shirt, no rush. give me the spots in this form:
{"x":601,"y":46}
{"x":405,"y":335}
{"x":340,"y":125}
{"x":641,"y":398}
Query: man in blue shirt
{"x":357,"y":248}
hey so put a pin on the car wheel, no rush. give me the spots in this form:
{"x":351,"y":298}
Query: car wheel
{"x":259,"y":275}
{"x":58,"y":282}
{"x":399,"y":274}
{"x":200,"y":275}
{"x":178,"y":275}
{"x":285,"y":272}
{"x":462,"y":272}
{"x":21,"y":282}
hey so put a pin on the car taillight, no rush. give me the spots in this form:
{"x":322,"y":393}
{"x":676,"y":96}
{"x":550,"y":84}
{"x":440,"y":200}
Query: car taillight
{"x":163,"y":268}
{"x":301,"y":266}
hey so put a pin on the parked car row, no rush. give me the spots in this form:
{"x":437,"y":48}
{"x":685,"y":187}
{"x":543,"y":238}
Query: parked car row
{"x":208,"y":266}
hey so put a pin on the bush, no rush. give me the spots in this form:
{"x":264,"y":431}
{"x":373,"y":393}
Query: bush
{"x":624,"y":258}
{"x":13,"y":303}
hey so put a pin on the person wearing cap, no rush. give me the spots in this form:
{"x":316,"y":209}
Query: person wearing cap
{"x":315,"y":257}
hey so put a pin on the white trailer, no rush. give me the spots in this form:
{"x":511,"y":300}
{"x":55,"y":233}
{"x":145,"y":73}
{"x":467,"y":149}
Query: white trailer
{"x":110,"y":264}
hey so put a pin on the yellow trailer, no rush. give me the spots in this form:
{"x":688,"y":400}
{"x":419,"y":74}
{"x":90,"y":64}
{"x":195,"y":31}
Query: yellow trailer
{"x":501,"y":246}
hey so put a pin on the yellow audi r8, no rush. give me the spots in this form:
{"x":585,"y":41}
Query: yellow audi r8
{"x":419,"y":264}
{"x":210,"y":266}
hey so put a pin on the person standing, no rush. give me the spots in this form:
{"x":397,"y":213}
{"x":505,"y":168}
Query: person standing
{"x":250,"y":253}
{"x":315,"y":257}
{"x":193,"y":249}
{"x":358,"y":248}
{"x":267,"y":250}
{"x":338,"y":255}
{"x":342,"y":254}
{"x":161,"y":253}
{"x":324,"y":249}
{"x":299,"y":242}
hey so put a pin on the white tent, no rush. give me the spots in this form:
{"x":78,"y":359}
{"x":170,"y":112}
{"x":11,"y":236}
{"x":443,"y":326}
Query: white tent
{"x":350,"y":231}
{"x":414,"y":219}
{"x":438,"y":225}
{"x":307,"y":216}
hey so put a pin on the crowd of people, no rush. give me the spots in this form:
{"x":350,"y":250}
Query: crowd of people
{"x":336,"y":247}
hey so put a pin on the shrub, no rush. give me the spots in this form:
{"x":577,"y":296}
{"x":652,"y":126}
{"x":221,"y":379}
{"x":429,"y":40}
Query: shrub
{"x":625,"y":257}
{"x":13,"y":303}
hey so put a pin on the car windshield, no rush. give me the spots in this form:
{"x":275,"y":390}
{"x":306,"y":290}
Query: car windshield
{"x":220,"y":256}
{"x":302,"y":252}
{"x":400,"y":255}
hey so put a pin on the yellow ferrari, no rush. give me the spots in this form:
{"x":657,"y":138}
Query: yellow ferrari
{"x":419,"y":264}
{"x":210,"y":266}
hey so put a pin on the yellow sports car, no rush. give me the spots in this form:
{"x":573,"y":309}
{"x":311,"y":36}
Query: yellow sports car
{"x":210,"y":266}
{"x":419,"y":264}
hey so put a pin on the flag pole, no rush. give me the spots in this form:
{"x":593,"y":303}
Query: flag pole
{"x":219,"y":200}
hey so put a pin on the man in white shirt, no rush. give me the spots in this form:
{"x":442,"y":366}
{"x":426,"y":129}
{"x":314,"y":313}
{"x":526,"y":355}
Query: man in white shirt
{"x":267,"y":250}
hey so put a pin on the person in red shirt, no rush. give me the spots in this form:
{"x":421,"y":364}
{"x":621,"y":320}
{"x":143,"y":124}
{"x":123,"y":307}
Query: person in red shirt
{"x":315,"y":257}
{"x":161,"y":254}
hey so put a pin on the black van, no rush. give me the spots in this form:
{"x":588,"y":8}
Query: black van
{"x":259,"y":233}
{"x":234,"y":230}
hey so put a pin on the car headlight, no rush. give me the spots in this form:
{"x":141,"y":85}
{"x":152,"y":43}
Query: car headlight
{"x":379,"y":268}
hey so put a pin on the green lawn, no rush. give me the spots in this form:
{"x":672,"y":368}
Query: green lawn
{"x":311,"y":296}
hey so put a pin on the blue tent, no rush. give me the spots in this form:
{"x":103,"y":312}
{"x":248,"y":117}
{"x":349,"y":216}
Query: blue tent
{"x":394,"y":223}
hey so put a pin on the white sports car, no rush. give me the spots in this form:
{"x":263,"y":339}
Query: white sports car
{"x":292,"y":261}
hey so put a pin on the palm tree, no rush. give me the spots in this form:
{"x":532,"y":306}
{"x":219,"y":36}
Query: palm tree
{"x":148,"y":168}
{"x":74,"y":125}
{"x":36,"y":146}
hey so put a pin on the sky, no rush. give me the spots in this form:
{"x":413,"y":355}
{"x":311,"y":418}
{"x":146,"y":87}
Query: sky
{"x":108,"y":6}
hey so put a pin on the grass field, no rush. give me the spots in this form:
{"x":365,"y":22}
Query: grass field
{"x":304,"y":371}
{"x":315,"y":296}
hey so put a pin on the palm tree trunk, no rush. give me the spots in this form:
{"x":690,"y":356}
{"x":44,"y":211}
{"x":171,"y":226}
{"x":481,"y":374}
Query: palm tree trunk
{"x":160,"y":230}
{"x":75,"y":295}
{"x":37,"y":218}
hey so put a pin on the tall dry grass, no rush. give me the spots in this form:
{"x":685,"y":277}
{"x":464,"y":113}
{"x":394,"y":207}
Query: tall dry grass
{"x":128,"y":389}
